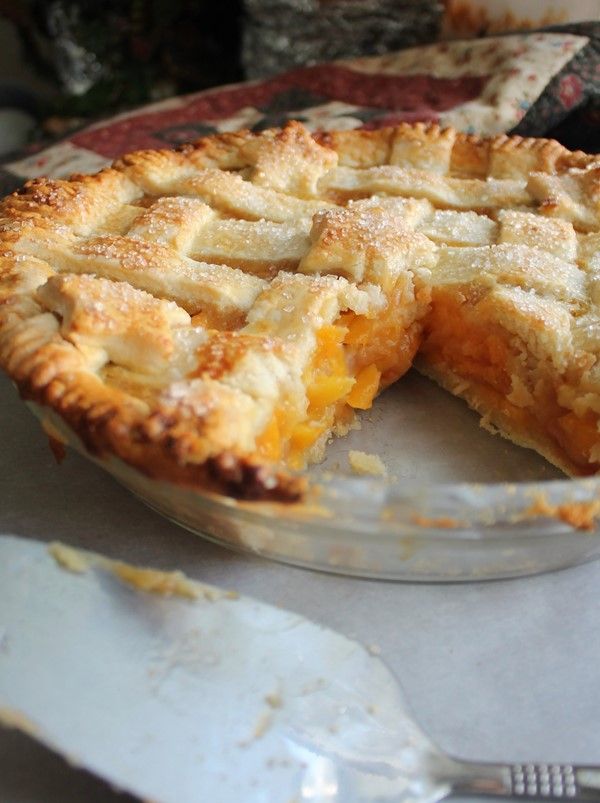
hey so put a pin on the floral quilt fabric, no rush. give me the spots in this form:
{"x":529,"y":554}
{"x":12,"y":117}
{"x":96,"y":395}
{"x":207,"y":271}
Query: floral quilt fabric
{"x":522,"y":83}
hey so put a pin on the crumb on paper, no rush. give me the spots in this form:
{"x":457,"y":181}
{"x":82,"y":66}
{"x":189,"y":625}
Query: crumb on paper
{"x":274,"y":700}
{"x":364,"y":463}
{"x":263,"y":723}
{"x":73,"y":560}
{"x":374,"y":649}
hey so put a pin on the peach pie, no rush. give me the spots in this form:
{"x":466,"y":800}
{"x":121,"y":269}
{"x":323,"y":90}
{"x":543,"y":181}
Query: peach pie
{"x":212,"y":315}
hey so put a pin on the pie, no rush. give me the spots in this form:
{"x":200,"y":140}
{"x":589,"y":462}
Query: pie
{"x":212,"y":315}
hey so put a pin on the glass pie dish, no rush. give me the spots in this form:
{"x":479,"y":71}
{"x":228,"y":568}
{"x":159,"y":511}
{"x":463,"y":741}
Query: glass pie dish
{"x":456,"y":504}
{"x":211,"y":316}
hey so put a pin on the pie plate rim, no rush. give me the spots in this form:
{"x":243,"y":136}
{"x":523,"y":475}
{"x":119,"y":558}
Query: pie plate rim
{"x":374,"y":527}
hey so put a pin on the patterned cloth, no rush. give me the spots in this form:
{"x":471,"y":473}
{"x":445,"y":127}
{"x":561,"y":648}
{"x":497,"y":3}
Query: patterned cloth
{"x":569,"y":107}
{"x":521,"y":83}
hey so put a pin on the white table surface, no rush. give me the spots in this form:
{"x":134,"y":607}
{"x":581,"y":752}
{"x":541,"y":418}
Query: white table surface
{"x":505,"y":670}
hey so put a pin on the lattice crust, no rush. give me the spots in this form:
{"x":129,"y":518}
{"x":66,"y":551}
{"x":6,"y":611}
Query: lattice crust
{"x":210,"y":315}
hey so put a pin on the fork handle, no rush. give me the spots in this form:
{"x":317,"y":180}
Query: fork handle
{"x":525,"y":781}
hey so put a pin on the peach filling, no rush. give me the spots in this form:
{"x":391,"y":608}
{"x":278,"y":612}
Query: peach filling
{"x":477,"y":352}
{"x":328,"y":382}
{"x":484,"y":353}
{"x":578,"y":436}
{"x":353,"y":360}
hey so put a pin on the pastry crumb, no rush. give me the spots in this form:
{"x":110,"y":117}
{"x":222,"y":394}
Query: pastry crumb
{"x":274,"y":700}
{"x":263,"y":724}
{"x":364,"y":463}
{"x":68,"y":558}
{"x":167,"y":584}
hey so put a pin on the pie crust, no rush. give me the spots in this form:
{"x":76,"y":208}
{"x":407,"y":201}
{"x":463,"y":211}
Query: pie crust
{"x":211,"y":315}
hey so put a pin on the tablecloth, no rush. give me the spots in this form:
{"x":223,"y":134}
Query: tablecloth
{"x":527,"y":84}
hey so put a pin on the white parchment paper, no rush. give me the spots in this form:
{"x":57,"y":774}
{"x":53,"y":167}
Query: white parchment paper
{"x":494,"y":671}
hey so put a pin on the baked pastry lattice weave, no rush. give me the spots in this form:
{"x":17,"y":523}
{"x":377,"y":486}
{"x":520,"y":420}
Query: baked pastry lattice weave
{"x":212,"y":315}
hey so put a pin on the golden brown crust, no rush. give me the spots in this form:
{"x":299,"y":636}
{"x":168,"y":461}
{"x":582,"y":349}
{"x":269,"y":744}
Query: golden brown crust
{"x":100,"y":274}
{"x":471,"y":156}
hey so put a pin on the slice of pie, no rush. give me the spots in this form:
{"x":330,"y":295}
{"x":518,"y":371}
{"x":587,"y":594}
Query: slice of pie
{"x":212,"y":315}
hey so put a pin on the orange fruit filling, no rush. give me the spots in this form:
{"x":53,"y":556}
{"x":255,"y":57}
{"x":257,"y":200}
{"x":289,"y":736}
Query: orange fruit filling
{"x":327,"y":380}
{"x":353,"y":360}
{"x":366,"y":386}
{"x":482,"y":352}
{"x":385,"y":342}
{"x":269,"y":442}
{"x":474,"y":351}
{"x":578,"y":436}
{"x":357,"y":356}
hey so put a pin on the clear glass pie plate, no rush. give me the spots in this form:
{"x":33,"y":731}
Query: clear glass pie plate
{"x":458,"y":503}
